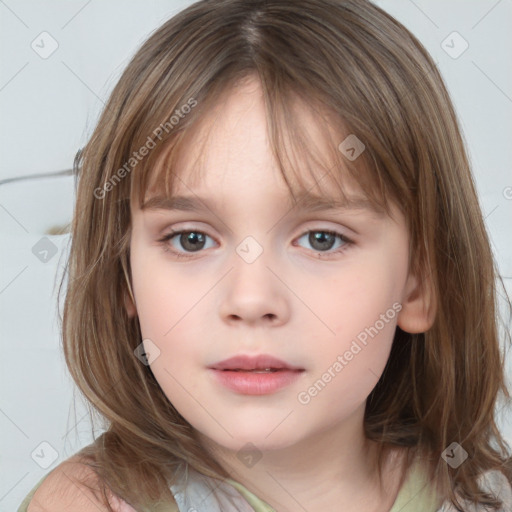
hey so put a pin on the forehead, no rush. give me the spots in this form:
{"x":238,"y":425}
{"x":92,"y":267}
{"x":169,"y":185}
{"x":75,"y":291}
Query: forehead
{"x":209,"y":187}
{"x":231,"y":140}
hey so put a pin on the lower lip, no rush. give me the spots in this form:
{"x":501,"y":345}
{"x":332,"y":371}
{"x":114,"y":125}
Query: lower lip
{"x":250,"y":383}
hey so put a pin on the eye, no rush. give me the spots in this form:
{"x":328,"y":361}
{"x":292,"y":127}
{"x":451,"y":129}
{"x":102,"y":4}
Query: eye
{"x":190,"y":241}
{"x":323,"y":240}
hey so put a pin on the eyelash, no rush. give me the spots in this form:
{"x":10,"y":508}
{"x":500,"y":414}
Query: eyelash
{"x":169,"y":236}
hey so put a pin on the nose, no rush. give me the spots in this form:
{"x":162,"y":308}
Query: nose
{"x":254,"y":294}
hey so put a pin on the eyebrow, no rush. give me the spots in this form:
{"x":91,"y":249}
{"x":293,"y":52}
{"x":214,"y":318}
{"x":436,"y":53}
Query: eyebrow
{"x":307,"y":202}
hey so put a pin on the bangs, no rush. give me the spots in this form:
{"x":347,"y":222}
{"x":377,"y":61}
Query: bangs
{"x":340,"y":168}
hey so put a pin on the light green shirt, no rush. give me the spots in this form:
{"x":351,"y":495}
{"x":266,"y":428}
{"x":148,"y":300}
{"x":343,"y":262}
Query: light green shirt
{"x":415,"y":495}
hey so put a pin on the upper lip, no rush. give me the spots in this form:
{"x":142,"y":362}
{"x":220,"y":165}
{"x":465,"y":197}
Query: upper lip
{"x":259,"y":362}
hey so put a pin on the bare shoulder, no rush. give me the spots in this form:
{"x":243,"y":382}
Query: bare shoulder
{"x":66,"y":488}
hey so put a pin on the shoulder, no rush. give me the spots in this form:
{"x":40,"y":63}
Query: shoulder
{"x":67,"y":488}
{"x":493,"y":482}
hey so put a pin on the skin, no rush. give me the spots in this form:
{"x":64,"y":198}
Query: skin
{"x":289,"y":302}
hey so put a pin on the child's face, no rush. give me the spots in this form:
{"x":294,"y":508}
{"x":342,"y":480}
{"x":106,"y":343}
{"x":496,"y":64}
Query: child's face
{"x":226,"y":299}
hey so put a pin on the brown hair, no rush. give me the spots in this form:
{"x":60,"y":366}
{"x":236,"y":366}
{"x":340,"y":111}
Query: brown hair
{"x":373,"y":78}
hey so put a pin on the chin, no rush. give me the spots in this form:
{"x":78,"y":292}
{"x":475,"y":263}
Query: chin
{"x":252,"y":438}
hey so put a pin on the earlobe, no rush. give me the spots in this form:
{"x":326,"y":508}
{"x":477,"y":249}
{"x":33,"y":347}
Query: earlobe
{"x":418,"y":306}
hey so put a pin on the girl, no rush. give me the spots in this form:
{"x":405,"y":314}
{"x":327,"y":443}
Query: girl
{"x":281,"y":291}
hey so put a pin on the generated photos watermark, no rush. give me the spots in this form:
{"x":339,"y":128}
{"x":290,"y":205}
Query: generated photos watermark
{"x":357,"y":345}
{"x":144,"y":150}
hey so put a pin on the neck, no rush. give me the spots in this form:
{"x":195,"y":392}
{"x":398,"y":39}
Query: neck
{"x":329,"y":468}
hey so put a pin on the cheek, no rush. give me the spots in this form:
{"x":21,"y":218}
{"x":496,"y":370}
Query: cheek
{"x":162,"y":293}
{"x":359,"y":309}
{"x":346,"y":366}
{"x":168,"y":309}
{"x":356,"y":301}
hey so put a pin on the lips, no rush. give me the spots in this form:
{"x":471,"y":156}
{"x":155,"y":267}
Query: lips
{"x":261,"y":363}
{"x":255,"y":375}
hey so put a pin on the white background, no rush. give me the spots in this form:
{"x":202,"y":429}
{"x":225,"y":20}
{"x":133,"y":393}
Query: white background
{"x":49,"y":108}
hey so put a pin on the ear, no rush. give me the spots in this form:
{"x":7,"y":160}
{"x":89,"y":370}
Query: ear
{"x":129,"y":305}
{"x":418,"y":305}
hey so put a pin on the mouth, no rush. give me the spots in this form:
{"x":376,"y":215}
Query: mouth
{"x":256,"y":375}
{"x":266,"y":370}
{"x":263,"y":363}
